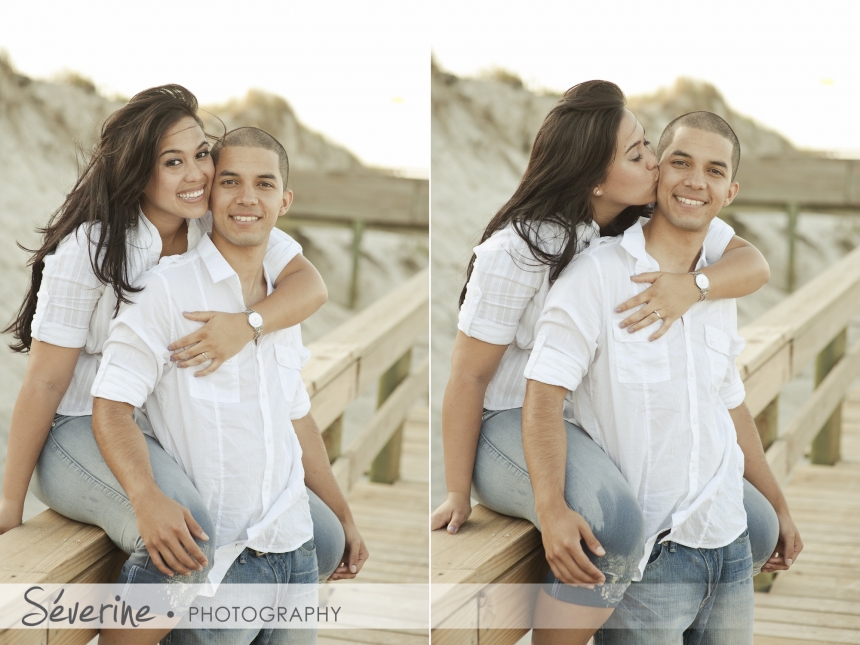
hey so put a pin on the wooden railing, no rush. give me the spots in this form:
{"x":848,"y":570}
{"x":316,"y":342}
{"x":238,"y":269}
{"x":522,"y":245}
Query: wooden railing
{"x":796,"y":185}
{"x":810,"y":325}
{"x":359,"y":202}
{"x":374,"y":345}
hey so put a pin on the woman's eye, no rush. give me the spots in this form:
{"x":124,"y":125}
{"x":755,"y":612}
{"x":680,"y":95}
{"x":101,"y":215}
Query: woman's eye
{"x":172,"y":163}
{"x":202,"y":154}
{"x":639,"y":158}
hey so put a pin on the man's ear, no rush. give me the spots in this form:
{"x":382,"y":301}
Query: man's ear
{"x":285,"y":204}
{"x":733,"y":192}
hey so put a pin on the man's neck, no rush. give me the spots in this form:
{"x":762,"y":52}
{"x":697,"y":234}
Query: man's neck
{"x":676,"y":250}
{"x":247,"y":262}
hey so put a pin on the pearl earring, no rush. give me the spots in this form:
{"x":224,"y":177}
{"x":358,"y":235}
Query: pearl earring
{"x":597,"y":192}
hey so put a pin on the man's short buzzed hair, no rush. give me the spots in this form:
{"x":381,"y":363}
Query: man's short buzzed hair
{"x":708,"y":122}
{"x":249,"y":137}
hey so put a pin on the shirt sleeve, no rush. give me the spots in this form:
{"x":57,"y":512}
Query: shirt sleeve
{"x":280,"y":250}
{"x":568,"y":330}
{"x":68,"y":293}
{"x":135,"y":354}
{"x":505,"y":278}
{"x":717,"y":239}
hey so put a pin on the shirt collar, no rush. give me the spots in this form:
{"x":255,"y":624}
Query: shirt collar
{"x":219,"y":269}
{"x":148,"y":237}
{"x":633,"y":241}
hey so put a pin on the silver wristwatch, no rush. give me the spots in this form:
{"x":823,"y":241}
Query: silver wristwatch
{"x":256,"y":322}
{"x":703,"y":283}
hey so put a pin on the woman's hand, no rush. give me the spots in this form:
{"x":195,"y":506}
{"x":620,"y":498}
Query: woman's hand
{"x":671,"y":295}
{"x":788,"y":546}
{"x":11,"y":514}
{"x":354,"y":555}
{"x":451,"y":513}
{"x":221,"y":338}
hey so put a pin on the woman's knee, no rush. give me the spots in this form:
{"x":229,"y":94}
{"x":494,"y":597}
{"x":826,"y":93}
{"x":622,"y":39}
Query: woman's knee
{"x":620,"y":529}
{"x":329,"y":538}
{"x":763,"y":525}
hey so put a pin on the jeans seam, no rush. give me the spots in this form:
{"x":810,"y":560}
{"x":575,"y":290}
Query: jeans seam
{"x":85,"y":474}
{"x":504,"y":459}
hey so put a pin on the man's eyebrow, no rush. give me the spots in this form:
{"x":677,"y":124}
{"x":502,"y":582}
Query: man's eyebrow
{"x":721,"y":164}
{"x":228,"y":173}
{"x":265,"y":176}
{"x":681,"y":153}
{"x":179,"y":152}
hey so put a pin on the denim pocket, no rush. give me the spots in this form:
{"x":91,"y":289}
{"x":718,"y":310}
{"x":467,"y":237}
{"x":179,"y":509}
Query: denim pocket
{"x":308,"y":548}
{"x":656,"y":552}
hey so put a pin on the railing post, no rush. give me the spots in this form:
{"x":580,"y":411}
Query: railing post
{"x":332,"y":437}
{"x":386,"y":467}
{"x":767,"y":423}
{"x":357,"y":234}
{"x":793,"y":209}
{"x":825,"y":447}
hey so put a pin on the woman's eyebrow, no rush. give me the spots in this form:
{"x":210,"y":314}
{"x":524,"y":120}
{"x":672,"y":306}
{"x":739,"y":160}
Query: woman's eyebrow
{"x":633,"y":146}
{"x":179,"y":152}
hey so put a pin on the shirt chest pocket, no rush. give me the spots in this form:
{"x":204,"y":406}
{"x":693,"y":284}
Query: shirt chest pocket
{"x":221,"y":385}
{"x":638,"y":360}
{"x":290,"y":361}
{"x":717,"y":343}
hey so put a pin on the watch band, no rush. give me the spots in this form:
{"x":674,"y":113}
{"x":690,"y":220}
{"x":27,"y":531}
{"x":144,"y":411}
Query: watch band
{"x":703,"y":292}
{"x":258,"y":329}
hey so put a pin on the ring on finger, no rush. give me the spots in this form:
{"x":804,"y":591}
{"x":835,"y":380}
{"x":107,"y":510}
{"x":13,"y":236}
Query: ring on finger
{"x":205,"y":357}
{"x":659,"y":317}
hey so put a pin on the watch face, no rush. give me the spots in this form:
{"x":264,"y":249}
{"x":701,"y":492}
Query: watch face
{"x":702,"y":281}
{"x":255,"y":319}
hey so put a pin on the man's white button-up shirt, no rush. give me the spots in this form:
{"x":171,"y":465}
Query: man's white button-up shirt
{"x":230,"y":431}
{"x":658,"y":409}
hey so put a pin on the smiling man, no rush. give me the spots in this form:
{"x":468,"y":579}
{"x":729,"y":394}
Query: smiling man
{"x":669,"y":412}
{"x":243,"y":434}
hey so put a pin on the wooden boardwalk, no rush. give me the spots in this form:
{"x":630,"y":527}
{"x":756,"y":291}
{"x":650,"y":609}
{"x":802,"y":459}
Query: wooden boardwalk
{"x":818,"y":599}
{"x":393,"y":519}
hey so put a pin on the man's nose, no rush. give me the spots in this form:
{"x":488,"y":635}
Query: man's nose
{"x":247,"y":196}
{"x":696,"y":179}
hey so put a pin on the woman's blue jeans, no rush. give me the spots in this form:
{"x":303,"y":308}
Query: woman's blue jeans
{"x":74,"y":480}
{"x":595,"y":489}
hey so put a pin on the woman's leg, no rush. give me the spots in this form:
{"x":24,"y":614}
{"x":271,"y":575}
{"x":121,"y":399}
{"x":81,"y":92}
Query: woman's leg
{"x":763,"y":526}
{"x":74,"y":480}
{"x":329,"y":539}
{"x":593,"y":487}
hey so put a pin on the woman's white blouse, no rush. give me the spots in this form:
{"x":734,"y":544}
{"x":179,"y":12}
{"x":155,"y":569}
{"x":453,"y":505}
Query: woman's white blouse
{"x":506,"y":294}
{"x":74,"y":309}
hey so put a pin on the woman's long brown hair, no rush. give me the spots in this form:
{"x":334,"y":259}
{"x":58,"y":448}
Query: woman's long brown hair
{"x":571,"y":155}
{"x":104,"y":203}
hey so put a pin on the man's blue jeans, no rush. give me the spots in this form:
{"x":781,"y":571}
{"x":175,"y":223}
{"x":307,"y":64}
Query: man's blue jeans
{"x":297,"y":567}
{"x":687,"y":596}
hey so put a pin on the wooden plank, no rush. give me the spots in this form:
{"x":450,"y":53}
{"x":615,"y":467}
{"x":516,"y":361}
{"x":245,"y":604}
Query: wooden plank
{"x":53,"y":545}
{"x":370,"y":636}
{"x":817,"y":634}
{"x":810,"y":181}
{"x":485,"y":547}
{"x":764,"y":378}
{"x":24,"y":637}
{"x":824,"y":606}
{"x":386,"y":420}
{"x":374,"y":198}
{"x":820,"y":406}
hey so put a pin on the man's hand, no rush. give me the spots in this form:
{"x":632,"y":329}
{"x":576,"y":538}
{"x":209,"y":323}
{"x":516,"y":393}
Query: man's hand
{"x":562,"y":532}
{"x":166,"y":528}
{"x":354,"y":555}
{"x":452,"y":513}
{"x":788,"y":546}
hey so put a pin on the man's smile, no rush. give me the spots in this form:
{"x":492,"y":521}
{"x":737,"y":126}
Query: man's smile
{"x":689,"y":201}
{"x":247,"y":217}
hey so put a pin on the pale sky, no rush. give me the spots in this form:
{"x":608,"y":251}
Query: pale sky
{"x":794,"y":66}
{"x":356,"y":71}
